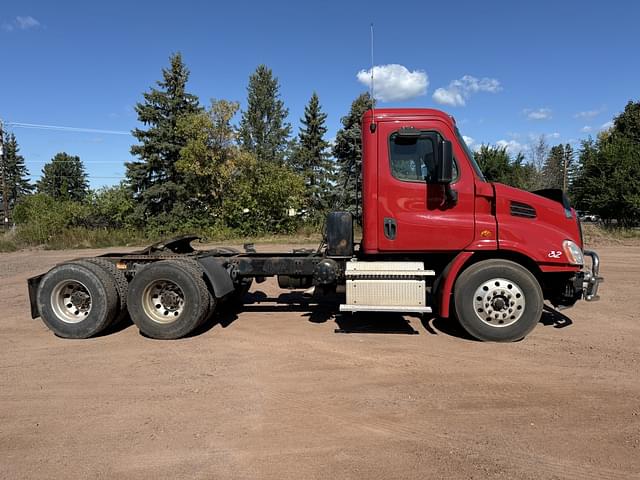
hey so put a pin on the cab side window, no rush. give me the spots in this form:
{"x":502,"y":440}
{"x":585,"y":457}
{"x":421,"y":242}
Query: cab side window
{"x":414,"y":159}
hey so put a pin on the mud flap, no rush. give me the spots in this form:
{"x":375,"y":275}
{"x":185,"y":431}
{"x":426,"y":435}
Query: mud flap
{"x":33,"y":284}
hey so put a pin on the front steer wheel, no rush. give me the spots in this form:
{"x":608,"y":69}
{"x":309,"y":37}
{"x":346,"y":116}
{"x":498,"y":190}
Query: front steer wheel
{"x":77,"y":299}
{"x":498,"y":301}
{"x":168,"y":299}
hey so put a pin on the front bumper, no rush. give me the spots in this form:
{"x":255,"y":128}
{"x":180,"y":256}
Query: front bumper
{"x":592,"y":278}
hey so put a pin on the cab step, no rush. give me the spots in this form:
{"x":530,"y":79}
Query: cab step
{"x":384,"y":308}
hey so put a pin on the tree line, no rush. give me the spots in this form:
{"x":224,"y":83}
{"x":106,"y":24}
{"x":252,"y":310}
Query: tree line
{"x":602,"y":177}
{"x":196,"y":169}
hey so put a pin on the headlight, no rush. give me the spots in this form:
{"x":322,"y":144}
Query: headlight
{"x":573,"y":253}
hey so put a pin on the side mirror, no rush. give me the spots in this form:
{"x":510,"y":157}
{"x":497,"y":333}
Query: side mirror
{"x":444,"y":168}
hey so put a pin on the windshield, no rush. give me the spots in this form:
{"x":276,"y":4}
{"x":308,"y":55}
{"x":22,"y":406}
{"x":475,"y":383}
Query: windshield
{"x":469,"y":153}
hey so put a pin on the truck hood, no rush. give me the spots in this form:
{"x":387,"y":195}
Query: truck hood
{"x":535,"y":222}
{"x":557,"y":195}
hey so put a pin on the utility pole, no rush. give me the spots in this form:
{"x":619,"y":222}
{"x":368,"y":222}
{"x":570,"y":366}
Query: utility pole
{"x":5,"y":203}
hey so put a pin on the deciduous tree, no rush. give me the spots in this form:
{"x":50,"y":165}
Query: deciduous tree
{"x":608,"y":180}
{"x":211,"y":157}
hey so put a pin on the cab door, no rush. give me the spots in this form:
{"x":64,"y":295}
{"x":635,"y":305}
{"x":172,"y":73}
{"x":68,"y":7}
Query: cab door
{"x":414,"y":213}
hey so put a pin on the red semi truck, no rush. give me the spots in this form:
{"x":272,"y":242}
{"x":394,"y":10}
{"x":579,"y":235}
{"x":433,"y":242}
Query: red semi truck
{"x":437,"y":238}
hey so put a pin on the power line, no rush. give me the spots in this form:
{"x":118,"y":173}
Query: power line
{"x":74,"y":176}
{"x":119,"y":162}
{"x":62,"y":128}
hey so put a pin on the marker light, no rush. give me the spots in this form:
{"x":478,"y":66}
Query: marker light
{"x":573,"y":253}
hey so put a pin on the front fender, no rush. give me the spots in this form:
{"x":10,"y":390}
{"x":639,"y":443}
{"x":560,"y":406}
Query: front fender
{"x":444,"y":283}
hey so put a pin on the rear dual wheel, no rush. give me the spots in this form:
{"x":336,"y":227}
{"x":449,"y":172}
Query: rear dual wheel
{"x":78,"y":299}
{"x":169,"y":299}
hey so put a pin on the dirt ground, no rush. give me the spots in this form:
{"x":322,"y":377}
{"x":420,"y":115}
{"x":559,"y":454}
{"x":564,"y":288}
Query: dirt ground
{"x":273,"y":392}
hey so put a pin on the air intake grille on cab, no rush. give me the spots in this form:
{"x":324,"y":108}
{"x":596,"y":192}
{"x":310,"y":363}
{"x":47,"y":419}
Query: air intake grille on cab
{"x":519,"y":209}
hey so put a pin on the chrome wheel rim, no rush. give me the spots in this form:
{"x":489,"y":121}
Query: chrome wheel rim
{"x":71,"y":301}
{"x":499,"y":302}
{"x":163,"y":301}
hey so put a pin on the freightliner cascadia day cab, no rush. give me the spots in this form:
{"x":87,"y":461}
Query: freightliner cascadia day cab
{"x":437,"y":238}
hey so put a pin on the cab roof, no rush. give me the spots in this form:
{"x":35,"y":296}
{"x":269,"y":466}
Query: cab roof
{"x":382,"y":114}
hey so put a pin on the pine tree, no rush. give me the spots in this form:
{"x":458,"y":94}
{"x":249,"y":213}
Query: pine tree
{"x":498,"y":166}
{"x":154,"y":179}
{"x":64,"y":178}
{"x":553,"y":168}
{"x":310,"y":157}
{"x":627,"y":124}
{"x":348,"y":152}
{"x":568,"y":168}
{"x":263,"y":128}
{"x":15,"y":171}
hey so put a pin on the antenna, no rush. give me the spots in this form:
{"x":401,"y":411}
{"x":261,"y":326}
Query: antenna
{"x":372,"y":125}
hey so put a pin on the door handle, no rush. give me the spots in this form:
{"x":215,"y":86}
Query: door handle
{"x":390,"y":228}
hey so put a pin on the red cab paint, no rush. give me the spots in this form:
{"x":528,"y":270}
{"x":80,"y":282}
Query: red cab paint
{"x":484,"y":217}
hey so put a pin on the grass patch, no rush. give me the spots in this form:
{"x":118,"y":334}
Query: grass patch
{"x":30,"y":236}
{"x":599,"y":236}
{"x":7,"y":244}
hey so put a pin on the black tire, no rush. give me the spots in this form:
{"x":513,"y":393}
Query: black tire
{"x":122,"y":285}
{"x":196,"y":269}
{"x":88,"y":280}
{"x":498,"y":301}
{"x":190,"y":305}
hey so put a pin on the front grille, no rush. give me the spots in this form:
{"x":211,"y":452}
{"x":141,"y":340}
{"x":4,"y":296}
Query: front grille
{"x":519,"y":209}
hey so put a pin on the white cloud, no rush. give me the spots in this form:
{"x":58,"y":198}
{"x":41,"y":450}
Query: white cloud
{"x":24,"y":23}
{"x":471,"y":143}
{"x":448,"y":97}
{"x":606,"y":125}
{"x":395,"y":83}
{"x":539,"y":114}
{"x":459,"y":91}
{"x":554,"y":135}
{"x":589,"y":113}
{"x":586,"y":129}
{"x":512,"y":146}
{"x":21,"y":23}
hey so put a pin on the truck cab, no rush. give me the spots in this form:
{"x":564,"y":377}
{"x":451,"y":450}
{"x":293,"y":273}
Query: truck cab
{"x":425,"y":198}
{"x":405,"y":207}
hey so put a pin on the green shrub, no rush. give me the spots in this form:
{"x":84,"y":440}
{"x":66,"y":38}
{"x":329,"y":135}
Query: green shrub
{"x":7,"y":243}
{"x":259,"y":200}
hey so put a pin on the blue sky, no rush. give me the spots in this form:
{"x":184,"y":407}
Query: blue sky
{"x":506,"y":70}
